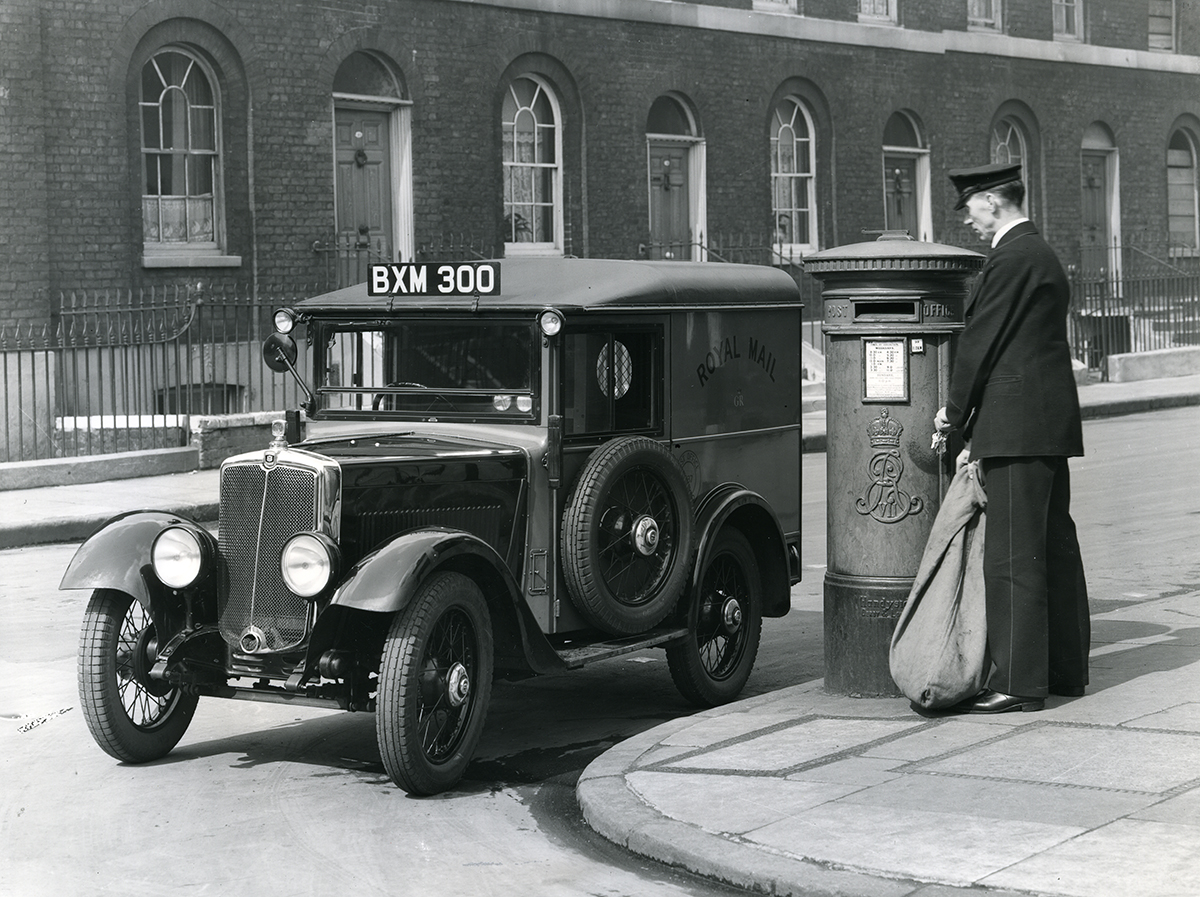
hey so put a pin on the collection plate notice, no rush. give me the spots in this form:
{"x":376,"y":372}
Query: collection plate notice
{"x":885,"y":369}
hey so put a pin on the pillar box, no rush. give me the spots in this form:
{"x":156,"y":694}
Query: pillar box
{"x":892,"y":307}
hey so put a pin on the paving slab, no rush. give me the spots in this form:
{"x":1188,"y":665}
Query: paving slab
{"x":1104,"y":863}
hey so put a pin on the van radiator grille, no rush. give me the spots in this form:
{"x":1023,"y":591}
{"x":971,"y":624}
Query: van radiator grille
{"x":260,"y":510}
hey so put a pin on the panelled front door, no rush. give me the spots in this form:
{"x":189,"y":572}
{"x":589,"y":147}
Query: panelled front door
{"x":1095,"y":237}
{"x":670,"y":235}
{"x":900,"y":178}
{"x":364,"y":192}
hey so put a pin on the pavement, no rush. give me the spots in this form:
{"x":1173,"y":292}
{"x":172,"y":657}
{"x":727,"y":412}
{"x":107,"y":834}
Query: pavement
{"x":805,"y":792}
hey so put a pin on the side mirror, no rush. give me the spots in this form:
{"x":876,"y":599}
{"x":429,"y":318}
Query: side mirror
{"x":279,"y":352}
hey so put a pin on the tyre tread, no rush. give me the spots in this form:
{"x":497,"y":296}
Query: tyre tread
{"x":111,"y":729}
{"x":683,"y":661}
{"x":401,"y":654}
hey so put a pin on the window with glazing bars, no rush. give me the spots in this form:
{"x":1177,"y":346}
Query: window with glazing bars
{"x":531,"y":165}
{"x":984,"y":14}
{"x":1068,"y":18}
{"x":180,"y":152}
{"x":1162,"y":25}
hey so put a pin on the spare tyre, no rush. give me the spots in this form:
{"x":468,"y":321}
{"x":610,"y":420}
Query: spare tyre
{"x":627,"y":536}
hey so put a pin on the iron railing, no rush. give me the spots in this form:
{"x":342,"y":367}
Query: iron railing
{"x":122,"y":371}
{"x":1133,"y":297}
{"x":348,"y":257}
{"x":1130,"y":295}
{"x":454,"y":247}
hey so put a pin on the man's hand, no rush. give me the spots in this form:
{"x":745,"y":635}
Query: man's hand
{"x":940,"y":422}
{"x":963,"y":459}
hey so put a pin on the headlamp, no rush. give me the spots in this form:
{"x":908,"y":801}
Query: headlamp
{"x":177,"y":556}
{"x":308,"y":563}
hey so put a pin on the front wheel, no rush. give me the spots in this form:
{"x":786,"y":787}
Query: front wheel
{"x":434,"y":685}
{"x":711,"y":664}
{"x":132,"y":717}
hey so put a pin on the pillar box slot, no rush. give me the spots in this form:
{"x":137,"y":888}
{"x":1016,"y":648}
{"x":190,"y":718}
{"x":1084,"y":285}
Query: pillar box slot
{"x":879,"y":310}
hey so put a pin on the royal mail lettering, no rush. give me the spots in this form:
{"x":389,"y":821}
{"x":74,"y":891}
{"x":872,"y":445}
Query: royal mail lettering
{"x":727,"y":350}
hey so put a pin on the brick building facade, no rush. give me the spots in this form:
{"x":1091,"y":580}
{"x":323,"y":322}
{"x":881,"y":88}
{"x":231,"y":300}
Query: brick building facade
{"x":196,"y":142}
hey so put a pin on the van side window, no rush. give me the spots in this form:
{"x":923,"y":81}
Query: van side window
{"x":612,"y":381}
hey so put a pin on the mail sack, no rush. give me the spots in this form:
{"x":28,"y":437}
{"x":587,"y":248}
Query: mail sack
{"x":939,"y":655}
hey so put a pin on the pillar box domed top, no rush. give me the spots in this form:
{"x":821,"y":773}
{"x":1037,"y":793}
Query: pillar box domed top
{"x":893,"y":254}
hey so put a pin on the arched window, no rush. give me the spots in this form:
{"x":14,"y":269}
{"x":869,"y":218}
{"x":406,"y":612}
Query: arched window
{"x":181,"y":153}
{"x":668,"y":116}
{"x":366,"y":75}
{"x":1181,"y":191}
{"x":532,"y":168}
{"x":793,"y":176}
{"x":1008,"y":143}
{"x":1009,"y":147}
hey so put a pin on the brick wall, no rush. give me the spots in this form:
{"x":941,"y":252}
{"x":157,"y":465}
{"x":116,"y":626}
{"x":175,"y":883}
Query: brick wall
{"x":1029,"y":18}
{"x":24,"y":238}
{"x":1117,"y":24}
{"x":68,"y":73}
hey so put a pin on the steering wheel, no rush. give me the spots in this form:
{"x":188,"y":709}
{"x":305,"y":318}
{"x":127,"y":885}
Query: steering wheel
{"x":377,"y":401}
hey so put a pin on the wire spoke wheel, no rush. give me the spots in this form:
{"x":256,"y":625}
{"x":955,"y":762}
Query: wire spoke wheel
{"x":721,"y":635}
{"x":637,"y":537}
{"x":627,"y":536}
{"x":447,"y":670}
{"x":711,"y":665}
{"x":434,"y":684}
{"x":131,"y":716}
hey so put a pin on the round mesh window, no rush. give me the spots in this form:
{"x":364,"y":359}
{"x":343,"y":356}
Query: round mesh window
{"x":622,"y":369}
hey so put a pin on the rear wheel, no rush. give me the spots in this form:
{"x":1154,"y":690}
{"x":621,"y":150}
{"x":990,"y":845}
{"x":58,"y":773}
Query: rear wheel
{"x":711,"y":664}
{"x":434,"y":685}
{"x":131,"y":716}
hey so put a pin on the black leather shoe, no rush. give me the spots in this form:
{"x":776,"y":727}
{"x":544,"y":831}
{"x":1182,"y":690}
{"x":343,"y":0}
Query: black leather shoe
{"x":1067,"y":691}
{"x":998,"y":702}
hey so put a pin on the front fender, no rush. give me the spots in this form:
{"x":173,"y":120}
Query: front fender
{"x":117,"y":556}
{"x":386,"y":579}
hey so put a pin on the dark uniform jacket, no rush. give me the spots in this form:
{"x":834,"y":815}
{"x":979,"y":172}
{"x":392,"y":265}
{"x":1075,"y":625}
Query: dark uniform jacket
{"x":1012,"y":389}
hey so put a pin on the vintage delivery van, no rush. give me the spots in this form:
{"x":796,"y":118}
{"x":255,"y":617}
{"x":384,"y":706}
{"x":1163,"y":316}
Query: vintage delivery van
{"x":502,"y":468}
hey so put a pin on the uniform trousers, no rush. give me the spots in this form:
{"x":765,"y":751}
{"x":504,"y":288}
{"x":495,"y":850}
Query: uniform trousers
{"x":1039,"y":630}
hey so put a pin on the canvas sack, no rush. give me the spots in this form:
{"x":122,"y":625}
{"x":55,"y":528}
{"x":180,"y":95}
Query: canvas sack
{"x":939,"y":653}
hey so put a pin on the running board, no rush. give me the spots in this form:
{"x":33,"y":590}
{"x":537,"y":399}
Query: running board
{"x":574,"y":658}
{"x":274,"y":695}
